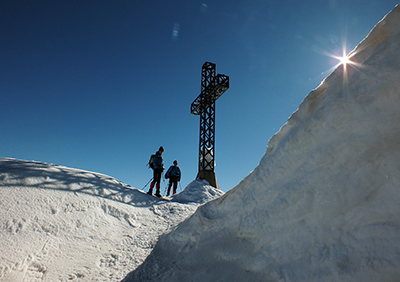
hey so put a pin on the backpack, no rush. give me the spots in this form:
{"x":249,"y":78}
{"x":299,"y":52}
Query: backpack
{"x":150,"y":163}
{"x":167,"y":175}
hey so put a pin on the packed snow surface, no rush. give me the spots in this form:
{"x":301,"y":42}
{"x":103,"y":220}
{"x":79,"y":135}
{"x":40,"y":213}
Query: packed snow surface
{"x":323,"y":204}
{"x":64,"y":224}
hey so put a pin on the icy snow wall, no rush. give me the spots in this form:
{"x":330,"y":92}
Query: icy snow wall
{"x":324,"y":202}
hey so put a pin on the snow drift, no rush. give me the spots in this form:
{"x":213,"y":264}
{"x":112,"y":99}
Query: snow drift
{"x":64,"y":224}
{"x":323,"y":204}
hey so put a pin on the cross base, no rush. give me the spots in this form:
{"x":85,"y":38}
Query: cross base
{"x":210,"y":176}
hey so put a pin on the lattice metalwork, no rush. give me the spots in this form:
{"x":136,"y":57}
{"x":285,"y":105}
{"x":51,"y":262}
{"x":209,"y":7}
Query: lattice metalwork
{"x":212,"y":87}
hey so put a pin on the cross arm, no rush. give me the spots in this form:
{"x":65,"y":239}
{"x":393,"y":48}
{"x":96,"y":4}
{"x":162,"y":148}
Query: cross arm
{"x":210,"y":95}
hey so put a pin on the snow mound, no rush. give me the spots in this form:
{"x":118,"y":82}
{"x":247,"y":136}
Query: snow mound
{"x":323,"y":204}
{"x":198,"y":191}
{"x":64,"y":224}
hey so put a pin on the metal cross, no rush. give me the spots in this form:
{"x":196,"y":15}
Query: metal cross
{"x":212,"y":87}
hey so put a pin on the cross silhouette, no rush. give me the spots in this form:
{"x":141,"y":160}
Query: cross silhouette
{"x":212,"y":87}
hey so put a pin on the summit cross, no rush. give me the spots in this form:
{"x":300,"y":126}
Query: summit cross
{"x":212,"y":87}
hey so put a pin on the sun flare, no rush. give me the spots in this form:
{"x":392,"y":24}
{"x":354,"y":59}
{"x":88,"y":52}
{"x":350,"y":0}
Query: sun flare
{"x":346,"y":63}
{"x":344,"y":60}
{"x":347,"y":60}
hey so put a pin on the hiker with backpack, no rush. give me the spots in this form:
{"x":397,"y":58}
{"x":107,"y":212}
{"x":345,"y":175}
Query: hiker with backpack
{"x":157,"y":164}
{"x":174,"y":175}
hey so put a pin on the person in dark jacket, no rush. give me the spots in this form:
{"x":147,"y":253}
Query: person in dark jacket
{"x":174,"y":175}
{"x":158,"y":163}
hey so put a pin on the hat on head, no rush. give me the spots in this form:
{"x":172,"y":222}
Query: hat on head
{"x":161,"y":149}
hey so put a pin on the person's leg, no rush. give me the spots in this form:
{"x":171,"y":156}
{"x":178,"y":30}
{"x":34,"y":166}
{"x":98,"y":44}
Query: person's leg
{"x":158,"y":179}
{"x":152,"y":183}
{"x":175,"y":181}
{"x":169,"y":187}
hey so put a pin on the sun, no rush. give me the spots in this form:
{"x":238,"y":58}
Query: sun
{"x":346,"y":63}
{"x":344,"y":60}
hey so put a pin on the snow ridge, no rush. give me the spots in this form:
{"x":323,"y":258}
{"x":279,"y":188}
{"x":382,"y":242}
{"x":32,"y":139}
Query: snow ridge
{"x":64,"y":224}
{"x":322,"y":205}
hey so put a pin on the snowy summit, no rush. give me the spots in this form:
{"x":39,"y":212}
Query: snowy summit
{"x":323,"y":204}
{"x":64,"y":224}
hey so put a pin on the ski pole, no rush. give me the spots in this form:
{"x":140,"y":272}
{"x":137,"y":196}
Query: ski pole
{"x":147,"y":183}
{"x":165,"y":190}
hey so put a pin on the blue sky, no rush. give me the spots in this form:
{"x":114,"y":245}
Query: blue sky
{"x":100,"y":85}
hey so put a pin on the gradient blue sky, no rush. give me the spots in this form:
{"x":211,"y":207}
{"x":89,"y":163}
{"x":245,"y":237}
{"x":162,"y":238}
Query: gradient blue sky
{"x":100,"y":85}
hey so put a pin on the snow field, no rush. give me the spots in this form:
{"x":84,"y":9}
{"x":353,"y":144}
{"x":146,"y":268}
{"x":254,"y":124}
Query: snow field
{"x":62,"y":224}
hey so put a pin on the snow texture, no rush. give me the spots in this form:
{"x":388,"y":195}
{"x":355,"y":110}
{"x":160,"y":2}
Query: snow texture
{"x":64,"y":224}
{"x":323,"y":204}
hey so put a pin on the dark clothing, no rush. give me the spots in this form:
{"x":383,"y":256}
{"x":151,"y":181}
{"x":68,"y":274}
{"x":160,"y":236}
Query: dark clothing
{"x":174,"y":175}
{"x":173,"y":171}
{"x":173,"y":180}
{"x":158,"y":161}
{"x":157,"y":172}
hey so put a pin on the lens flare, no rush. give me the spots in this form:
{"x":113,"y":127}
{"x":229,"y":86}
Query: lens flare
{"x":344,"y":60}
{"x":175,"y":31}
{"x":346,"y":63}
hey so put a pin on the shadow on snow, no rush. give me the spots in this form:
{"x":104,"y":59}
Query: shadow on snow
{"x":18,"y":173}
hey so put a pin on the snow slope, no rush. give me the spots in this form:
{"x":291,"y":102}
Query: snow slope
{"x":63,"y":224}
{"x":323,"y":204}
